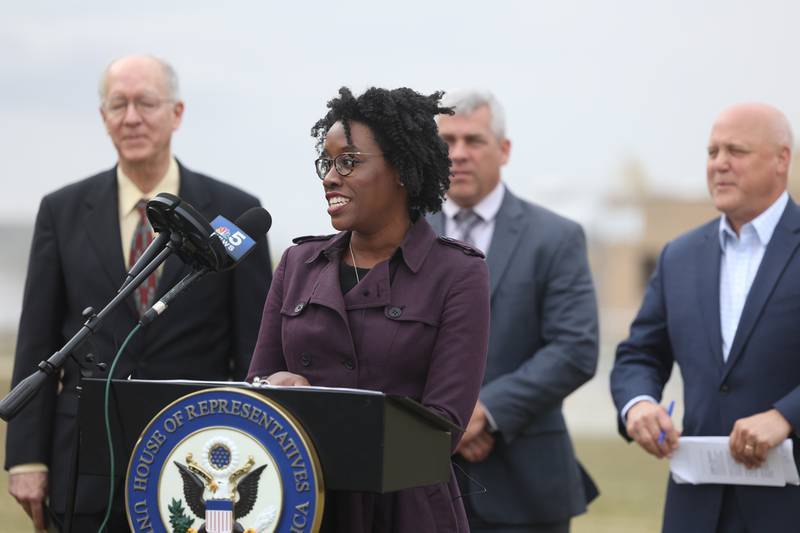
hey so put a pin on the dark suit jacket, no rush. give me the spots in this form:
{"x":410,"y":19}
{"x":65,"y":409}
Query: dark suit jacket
{"x":419,"y":332}
{"x":76,"y":262}
{"x":680,"y":322}
{"x":542,"y":346}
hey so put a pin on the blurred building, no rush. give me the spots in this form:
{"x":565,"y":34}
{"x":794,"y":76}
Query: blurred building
{"x":625,"y":242}
{"x":622,"y":266}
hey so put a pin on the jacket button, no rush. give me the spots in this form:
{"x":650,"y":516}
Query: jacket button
{"x":394,"y":312}
{"x":724,"y":388}
{"x":349,"y":364}
{"x":299,"y":307}
{"x":305,"y":359}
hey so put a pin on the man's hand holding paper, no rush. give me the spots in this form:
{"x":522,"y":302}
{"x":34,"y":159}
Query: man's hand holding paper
{"x":754,"y":436}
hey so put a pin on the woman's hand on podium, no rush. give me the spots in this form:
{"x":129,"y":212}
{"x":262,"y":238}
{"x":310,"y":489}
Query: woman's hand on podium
{"x":287,"y":379}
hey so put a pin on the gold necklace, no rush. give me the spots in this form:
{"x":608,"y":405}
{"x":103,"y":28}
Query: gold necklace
{"x":353,"y":257}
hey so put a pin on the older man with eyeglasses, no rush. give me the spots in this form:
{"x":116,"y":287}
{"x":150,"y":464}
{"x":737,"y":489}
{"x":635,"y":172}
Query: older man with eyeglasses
{"x":87,"y":235}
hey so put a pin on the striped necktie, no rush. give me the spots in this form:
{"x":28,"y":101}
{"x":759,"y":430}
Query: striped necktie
{"x":466,"y":220}
{"x":144,"y":295}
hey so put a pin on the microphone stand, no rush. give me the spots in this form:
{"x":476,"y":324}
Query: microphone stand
{"x":159,"y":242}
{"x":14,"y":401}
{"x":25,"y":390}
{"x":160,"y":306}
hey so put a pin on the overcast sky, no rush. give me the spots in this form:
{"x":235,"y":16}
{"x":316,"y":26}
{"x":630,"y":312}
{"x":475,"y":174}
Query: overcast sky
{"x":586,"y":85}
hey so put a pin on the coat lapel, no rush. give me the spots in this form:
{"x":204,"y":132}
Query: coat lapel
{"x":507,"y":231}
{"x":780,"y":250}
{"x":708,"y":289}
{"x":102,"y":228}
{"x":326,"y":289}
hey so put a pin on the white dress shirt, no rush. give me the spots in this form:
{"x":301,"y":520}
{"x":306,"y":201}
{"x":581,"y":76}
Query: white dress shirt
{"x":741,"y":257}
{"x":487,"y":209}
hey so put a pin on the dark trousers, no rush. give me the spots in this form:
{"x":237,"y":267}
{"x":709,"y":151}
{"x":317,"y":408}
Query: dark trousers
{"x":117,"y":523}
{"x":552,"y":527}
{"x":730,"y":516}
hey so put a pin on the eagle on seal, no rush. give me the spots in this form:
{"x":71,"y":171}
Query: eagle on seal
{"x":240,"y":488}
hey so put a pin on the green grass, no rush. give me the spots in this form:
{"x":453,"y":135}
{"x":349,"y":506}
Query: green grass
{"x":632,"y":487}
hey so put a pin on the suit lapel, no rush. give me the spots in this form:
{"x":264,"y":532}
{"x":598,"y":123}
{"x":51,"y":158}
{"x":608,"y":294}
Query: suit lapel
{"x":102,"y":228}
{"x":781,"y":248}
{"x":708,"y":289}
{"x":192,"y":190}
{"x":507,"y":231}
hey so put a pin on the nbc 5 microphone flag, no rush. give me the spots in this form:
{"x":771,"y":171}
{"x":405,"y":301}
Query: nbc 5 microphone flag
{"x":236,"y":242}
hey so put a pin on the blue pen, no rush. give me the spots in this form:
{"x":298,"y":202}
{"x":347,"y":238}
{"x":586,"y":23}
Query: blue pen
{"x":669,"y":413}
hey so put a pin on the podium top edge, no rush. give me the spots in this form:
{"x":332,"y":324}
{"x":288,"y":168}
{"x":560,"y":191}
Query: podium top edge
{"x":237,"y":384}
{"x":403,"y":401}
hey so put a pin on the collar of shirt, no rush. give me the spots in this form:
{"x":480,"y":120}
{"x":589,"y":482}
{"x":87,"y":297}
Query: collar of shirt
{"x":129,"y":194}
{"x":414,"y":249}
{"x":764,"y":224}
{"x":487,"y":208}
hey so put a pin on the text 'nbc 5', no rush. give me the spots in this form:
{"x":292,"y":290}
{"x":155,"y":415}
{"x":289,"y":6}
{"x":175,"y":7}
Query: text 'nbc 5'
{"x":236,"y":242}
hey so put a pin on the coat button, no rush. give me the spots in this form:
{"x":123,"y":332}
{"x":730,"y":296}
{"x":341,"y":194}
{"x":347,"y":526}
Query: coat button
{"x":349,"y":364}
{"x":305,"y":359}
{"x":724,"y":388}
{"x":299,"y":307}
{"x":394,"y":312}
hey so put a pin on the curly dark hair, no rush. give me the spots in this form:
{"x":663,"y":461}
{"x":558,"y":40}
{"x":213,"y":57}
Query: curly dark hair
{"x":402,"y":121}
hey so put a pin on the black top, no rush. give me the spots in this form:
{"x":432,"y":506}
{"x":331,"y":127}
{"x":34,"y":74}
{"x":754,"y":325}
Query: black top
{"x":347,"y":276}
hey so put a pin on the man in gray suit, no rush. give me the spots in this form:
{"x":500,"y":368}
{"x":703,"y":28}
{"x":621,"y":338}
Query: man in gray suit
{"x":543,"y":341}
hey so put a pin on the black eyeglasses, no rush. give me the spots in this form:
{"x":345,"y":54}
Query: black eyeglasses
{"x":344,"y":163}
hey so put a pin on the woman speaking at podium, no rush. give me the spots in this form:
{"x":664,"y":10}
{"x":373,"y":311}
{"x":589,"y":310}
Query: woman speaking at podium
{"x":384,"y":304}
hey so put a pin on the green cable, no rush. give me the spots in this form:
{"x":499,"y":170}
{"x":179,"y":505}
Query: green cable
{"x":108,"y":427}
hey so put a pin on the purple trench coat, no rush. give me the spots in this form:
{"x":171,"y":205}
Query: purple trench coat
{"x":424,"y":335}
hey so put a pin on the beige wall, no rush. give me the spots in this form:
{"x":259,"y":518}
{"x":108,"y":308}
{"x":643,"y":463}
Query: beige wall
{"x":621,"y":269}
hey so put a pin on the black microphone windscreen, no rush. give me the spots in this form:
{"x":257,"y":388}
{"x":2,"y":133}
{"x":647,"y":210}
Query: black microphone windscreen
{"x":255,"y":222}
{"x":189,"y":228}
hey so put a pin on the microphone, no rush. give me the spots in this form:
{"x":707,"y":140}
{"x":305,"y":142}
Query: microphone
{"x":190,"y":238}
{"x":236,"y":238}
{"x":182,"y":230}
{"x":170,"y":216}
{"x":237,"y":243}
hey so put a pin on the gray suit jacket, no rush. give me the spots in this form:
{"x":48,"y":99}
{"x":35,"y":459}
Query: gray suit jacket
{"x":542,"y":346}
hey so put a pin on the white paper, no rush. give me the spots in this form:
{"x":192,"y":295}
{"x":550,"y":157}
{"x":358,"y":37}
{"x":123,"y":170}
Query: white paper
{"x":708,"y":460}
{"x":251,"y":386}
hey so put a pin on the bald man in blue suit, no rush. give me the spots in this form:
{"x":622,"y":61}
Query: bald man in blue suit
{"x":724,"y":304}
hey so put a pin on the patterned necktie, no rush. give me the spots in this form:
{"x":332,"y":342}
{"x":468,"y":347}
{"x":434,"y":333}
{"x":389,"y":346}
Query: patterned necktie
{"x":144,"y":295}
{"x":466,"y":220}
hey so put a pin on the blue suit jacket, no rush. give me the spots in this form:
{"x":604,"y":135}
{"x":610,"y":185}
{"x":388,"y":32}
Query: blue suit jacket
{"x":542,"y":346}
{"x":680,"y":322}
